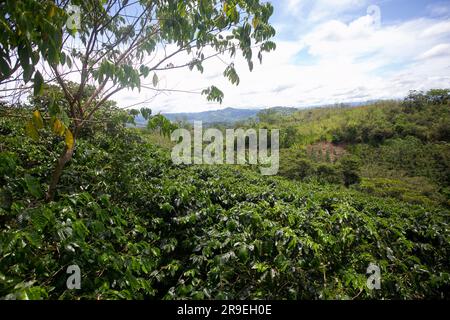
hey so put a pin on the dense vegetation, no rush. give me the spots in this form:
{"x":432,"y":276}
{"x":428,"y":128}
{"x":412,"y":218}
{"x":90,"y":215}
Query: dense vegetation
{"x":358,"y":186}
{"x":140,"y":227}
{"x":397,"y":149}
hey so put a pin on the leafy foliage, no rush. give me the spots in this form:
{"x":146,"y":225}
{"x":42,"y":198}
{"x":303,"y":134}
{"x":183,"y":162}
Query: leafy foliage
{"x":393,"y":145}
{"x":115,"y":51}
{"x":140,"y":227}
{"x":30,"y":29}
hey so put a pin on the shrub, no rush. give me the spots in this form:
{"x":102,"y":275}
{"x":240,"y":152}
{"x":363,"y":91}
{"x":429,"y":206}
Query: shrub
{"x":349,"y":166}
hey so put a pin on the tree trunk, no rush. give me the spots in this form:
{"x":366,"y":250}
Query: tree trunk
{"x":63,"y":159}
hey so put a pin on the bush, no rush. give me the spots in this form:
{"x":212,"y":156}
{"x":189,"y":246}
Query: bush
{"x":350,"y":166}
{"x":140,"y":227}
{"x":328,"y":173}
{"x":415,"y":190}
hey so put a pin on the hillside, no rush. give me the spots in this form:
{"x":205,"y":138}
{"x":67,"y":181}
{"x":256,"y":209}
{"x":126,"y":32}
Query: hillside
{"x":389,"y":148}
{"x":139,"y":226}
{"x":323,"y":175}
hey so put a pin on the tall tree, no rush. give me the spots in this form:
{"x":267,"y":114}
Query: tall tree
{"x":114,"y":44}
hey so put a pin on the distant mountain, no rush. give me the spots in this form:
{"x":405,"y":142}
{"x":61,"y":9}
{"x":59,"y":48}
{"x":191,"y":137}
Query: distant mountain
{"x":232,"y":115}
{"x":223,"y":115}
{"x":227,"y":115}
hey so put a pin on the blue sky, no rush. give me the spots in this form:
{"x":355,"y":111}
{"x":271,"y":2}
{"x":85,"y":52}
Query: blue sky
{"x":393,"y":11}
{"x":328,"y":51}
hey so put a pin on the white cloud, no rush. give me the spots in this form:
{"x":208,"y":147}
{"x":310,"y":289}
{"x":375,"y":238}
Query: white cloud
{"x":352,"y":61}
{"x":323,"y":9}
{"x":337,"y":60}
{"x":437,"y":29}
{"x":318,"y":10}
{"x":440,"y":50}
{"x":439,"y":9}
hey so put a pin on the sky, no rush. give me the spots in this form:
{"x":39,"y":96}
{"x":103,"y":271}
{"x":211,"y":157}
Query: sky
{"x":328,"y":51}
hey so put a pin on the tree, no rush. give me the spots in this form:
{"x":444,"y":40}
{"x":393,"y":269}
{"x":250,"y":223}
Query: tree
{"x":161,"y":124}
{"x":119,"y":43}
{"x":288,"y":136}
{"x":30,"y":29}
{"x":438,"y":96}
{"x":350,"y":170}
{"x":268,"y":116}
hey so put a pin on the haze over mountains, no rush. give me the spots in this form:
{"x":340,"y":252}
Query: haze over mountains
{"x":223,"y":115}
{"x":232,"y":115}
{"x":227,"y":115}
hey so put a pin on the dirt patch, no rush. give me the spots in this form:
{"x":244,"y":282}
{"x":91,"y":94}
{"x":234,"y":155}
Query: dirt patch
{"x":326,"y":151}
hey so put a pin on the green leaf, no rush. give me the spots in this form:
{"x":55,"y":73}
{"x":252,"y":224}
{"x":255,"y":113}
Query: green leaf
{"x":230,"y":73}
{"x":53,"y":108}
{"x":64,"y":118}
{"x":69,"y":62}
{"x":38,"y":83}
{"x":24,"y":56}
{"x":62,"y":58}
{"x":155,"y":80}
{"x":33,"y":186}
{"x":213,"y":94}
{"x":144,"y":70}
{"x":27,"y":73}
{"x":35,"y":57}
{"x":4,"y":66}
{"x":146,"y":113}
{"x":243,"y":254}
{"x":39,"y":219}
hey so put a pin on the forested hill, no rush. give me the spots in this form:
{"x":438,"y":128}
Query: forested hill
{"x":222,"y":116}
{"x":139,"y":226}
{"x":396,"y":149}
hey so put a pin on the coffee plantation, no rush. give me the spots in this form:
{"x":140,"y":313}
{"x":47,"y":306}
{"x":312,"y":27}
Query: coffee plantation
{"x":140,"y":227}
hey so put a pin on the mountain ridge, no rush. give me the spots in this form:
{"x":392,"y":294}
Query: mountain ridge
{"x":232,"y":115}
